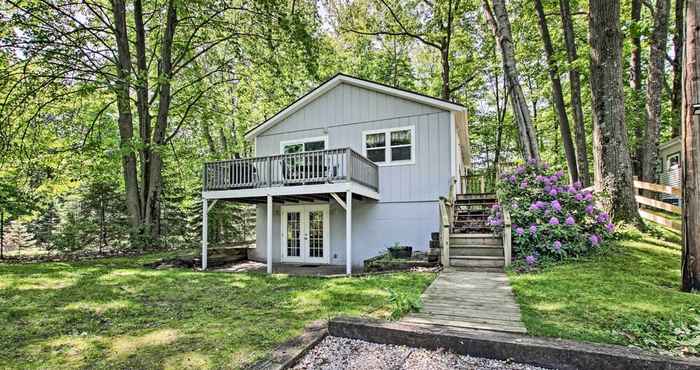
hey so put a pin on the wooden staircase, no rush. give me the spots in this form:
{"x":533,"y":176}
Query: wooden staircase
{"x":472,"y":245}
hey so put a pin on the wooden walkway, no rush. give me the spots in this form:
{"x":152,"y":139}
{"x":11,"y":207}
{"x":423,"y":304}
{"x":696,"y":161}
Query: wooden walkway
{"x":470,"y":300}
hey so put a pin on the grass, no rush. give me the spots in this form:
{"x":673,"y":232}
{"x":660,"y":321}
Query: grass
{"x":112,"y":313}
{"x":628,"y":295}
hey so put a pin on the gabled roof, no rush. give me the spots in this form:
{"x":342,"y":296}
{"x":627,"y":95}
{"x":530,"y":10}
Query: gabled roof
{"x":354,"y":81}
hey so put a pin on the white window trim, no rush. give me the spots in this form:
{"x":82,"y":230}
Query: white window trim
{"x":303,"y":141}
{"x":387,"y":148}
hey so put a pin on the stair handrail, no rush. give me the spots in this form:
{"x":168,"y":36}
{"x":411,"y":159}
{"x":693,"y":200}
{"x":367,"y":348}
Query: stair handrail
{"x":507,"y":223}
{"x":507,"y":238}
{"x":446,"y":206}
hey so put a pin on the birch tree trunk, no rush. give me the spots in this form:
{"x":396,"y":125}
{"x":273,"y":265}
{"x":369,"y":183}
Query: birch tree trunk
{"x":575,"y":89}
{"x":612,"y":166}
{"x":558,"y":95}
{"x":690,"y":168}
{"x":500,"y":25}
{"x":655,"y":82}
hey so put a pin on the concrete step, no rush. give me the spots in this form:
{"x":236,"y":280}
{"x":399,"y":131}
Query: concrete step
{"x":476,"y":250}
{"x":476,"y":261}
{"x":476,"y":269}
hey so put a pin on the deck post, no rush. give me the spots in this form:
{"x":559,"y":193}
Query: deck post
{"x":348,"y":232}
{"x":205,"y":223}
{"x":269,"y":234}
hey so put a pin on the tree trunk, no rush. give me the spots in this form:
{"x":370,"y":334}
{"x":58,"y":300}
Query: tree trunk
{"x":575,"y":89}
{"x":500,"y":25}
{"x":2,"y":234}
{"x":142,"y":100}
{"x":445,"y":61}
{"x":152,"y":206}
{"x":690,"y":168}
{"x":635,"y":80}
{"x":677,"y":69}
{"x":558,"y":95}
{"x":125,"y":120}
{"x":655,"y":82}
{"x":500,"y":116}
{"x":613,"y":170}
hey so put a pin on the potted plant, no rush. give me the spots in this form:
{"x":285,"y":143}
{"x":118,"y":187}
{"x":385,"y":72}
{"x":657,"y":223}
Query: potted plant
{"x":400,"y":251}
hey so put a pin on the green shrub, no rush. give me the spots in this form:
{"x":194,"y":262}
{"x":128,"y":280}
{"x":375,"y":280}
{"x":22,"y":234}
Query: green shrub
{"x":550,"y":219}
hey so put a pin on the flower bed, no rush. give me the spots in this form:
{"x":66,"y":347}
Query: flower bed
{"x":551,"y":220}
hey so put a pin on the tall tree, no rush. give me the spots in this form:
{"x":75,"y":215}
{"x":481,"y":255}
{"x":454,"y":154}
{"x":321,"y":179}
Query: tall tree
{"x":677,"y":65}
{"x":497,"y":17}
{"x":613,"y":170}
{"x":575,"y":90}
{"x":655,"y":84}
{"x":691,"y":151}
{"x":635,"y":78}
{"x":558,"y":94}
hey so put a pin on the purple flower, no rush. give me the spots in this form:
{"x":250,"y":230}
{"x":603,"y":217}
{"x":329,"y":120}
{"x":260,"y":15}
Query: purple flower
{"x":590,"y":209}
{"x":570,"y":220}
{"x":523,"y":185}
{"x":531,"y":260}
{"x":556,"y":205}
{"x":540,"y":204}
{"x":554,"y":221}
{"x":595,"y":240}
{"x":602,"y":218}
{"x":557,"y":245}
{"x":532,"y":161}
{"x":577,"y":185}
{"x":519,"y":231}
{"x":496,"y":207}
{"x":559,"y":173}
{"x":539,"y":178}
{"x":578,"y":196}
{"x":547,"y":185}
{"x":587,"y":196}
{"x":553,"y":192}
{"x":571,"y":189}
{"x":533,"y":229}
{"x":610,"y":227}
{"x":495,"y":222}
{"x":519,"y":170}
{"x":534,"y":207}
{"x":511,"y":178}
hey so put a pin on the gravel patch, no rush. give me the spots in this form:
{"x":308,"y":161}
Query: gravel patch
{"x":348,"y":354}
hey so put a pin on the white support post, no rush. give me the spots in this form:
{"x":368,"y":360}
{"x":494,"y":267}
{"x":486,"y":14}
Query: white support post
{"x":205,"y":223}
{"x":269,"y":234}
{"x":348,"y":232}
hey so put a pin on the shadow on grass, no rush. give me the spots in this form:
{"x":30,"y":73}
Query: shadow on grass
{"x":607,"y":298}
{"x":113,"y":313}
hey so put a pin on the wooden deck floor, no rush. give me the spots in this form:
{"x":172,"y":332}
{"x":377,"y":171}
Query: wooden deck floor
{"x":471,"y":300}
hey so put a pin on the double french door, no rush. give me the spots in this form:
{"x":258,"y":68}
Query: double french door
{"x":305,"y":233}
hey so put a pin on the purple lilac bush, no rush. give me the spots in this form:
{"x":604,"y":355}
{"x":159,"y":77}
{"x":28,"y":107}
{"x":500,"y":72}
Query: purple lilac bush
{"x":551,"y":220}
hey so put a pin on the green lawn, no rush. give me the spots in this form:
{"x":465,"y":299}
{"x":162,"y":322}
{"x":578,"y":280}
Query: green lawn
{"x":629,"y":295}
{"x":114,"y":313}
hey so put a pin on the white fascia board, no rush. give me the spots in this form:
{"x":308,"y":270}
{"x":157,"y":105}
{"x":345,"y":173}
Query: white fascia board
{"x":293,"y":190}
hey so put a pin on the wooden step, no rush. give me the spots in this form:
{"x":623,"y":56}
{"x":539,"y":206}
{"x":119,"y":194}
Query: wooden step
{"x":476,"y":196}
{"x":477,"y":239}
{"x":492,"y":251}
{"x":476,"y":261}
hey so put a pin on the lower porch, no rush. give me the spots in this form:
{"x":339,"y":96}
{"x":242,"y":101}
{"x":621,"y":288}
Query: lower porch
{"x":294,"y":226}
{"x":293,"y":269}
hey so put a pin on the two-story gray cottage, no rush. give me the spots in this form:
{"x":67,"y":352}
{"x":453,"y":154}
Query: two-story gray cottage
{"x":344,"y":172}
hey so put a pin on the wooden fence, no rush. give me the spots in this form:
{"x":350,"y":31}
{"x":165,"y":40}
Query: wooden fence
{"x":653,"y":203}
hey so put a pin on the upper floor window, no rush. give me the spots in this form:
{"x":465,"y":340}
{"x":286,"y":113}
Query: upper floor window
{"x":392,"y":146}
{"x":303,"y":145}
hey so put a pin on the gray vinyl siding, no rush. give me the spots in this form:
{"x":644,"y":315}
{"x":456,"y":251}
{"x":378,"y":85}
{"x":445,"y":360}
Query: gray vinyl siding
{"x":376,"y":226}
{"x":407,"y":211}
{"x":343,"y":120}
